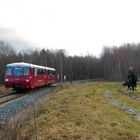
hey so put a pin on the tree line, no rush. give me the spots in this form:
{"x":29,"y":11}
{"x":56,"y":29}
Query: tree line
{"x":117,"y":60}
{"x":112,"y":65}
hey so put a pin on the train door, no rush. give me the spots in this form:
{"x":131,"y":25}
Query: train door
{"x":35,"y":77}
{"x":44,"y":76}
{"x":47,"y":77}
{"x":32,"y":78}
{"x":40,"y":77}
{"x":53,"y":76}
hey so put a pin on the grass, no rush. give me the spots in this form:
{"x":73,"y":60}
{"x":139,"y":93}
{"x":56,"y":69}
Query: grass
{"x":128,"y":100}
{"x":4,"y":90}
{"x":79,"y":111}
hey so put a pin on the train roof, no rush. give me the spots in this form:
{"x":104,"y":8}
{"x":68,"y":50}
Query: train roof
{"x":22,"y":64}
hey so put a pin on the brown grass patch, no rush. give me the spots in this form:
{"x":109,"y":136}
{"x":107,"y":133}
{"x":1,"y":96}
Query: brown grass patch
{"x":79,"y":111}
{"x":4,"y":90}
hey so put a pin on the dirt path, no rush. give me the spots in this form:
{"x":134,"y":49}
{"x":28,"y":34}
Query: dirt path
{"x":127,"y":108}
{"x":130,"y":94}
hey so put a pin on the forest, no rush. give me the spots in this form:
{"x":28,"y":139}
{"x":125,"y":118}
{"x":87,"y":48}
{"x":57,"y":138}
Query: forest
{"x":112,"y":65}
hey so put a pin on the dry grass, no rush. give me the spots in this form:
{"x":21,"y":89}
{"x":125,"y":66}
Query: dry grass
{"x":79,"y":111}
{"x":4,"y":90}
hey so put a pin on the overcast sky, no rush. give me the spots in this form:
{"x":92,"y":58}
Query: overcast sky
{"x":79,"y":26}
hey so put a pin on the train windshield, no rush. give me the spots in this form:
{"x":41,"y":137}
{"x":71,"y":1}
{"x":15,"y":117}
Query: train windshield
{"x":17,"y":71}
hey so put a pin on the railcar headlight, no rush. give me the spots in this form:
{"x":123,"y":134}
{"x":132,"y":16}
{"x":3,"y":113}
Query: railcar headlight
{"x":6,"y":80}
{"x":27,"y":80}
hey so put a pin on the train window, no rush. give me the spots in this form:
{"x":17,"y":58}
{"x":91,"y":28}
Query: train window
{"x":9,"y":71}
{"x":46,"y":72}
{"x":43,"y":72}
{"x":17,"y":71}
{"x":53,"y":72}
{"x":40,"y":71}
{"x":49,"y":72}
{"x":35,"y":72}
{"x":26,"y":71}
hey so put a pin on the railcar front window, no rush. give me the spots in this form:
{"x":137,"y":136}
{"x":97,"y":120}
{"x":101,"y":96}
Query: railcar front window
{"x":17,"y":71}
{"x":26,"y":71}
{"x":9,"y":71}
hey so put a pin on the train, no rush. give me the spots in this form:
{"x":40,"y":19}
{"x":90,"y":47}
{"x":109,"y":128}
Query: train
{"x":22,"y":75}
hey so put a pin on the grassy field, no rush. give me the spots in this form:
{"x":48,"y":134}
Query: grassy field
{"x":80,"y":111}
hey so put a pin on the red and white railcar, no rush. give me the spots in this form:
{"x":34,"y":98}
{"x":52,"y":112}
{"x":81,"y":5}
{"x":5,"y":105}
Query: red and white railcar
{"x":28,"y":76}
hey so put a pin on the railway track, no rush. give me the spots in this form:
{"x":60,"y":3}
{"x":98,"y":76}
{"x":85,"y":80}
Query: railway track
{"x":16,"y":103}
{"x":13,"y":103}
{"x":15,"y":95}
{"x":12,"y":109}
{"x":12,"y":106}
{"x":10,"y":97}
{"x":7,"y":98}
{"x":4,"y":95}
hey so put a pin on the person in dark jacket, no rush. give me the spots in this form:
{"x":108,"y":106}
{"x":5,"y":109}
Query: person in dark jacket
{"x":132,"y":80}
